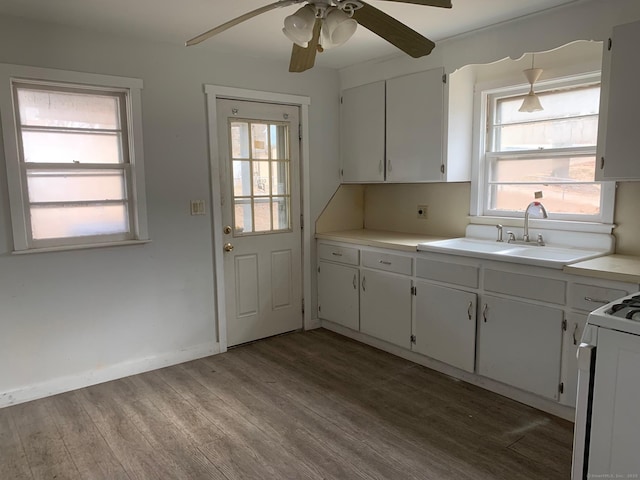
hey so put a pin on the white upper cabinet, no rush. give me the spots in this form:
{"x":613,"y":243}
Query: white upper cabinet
{"x":618,"y":156}
{"x":414,"y":128}
{"x":362,"y":126}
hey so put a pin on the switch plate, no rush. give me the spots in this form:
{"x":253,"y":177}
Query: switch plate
{"x":423,"y":212}
{"x":197,"y":207}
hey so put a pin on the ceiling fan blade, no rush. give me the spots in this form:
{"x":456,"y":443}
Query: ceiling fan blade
{"x":428,"y":3}
{"x":225,"y":26}
{"x":393,"y":31}
{"x":304,"y":58}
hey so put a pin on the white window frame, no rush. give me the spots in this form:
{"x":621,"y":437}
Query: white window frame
{"x":130,"y":88}
{"x":480,"y":180}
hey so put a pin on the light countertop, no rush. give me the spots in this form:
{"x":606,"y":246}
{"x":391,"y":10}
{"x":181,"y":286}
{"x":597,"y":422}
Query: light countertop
{"x":379,"y":238}
{"x":623,"y":268}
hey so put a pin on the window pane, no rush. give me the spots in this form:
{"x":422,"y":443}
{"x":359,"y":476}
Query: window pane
{"x":259,"y":141}
{"x":239,"y":139}
{"x":61,"y":147}
{"x":556,"y":104}
{"x":261,"y":178}
{"x":241,"y":178}
{"x":70,"y":110}
{"x":280,"y":182}
{"x":75,"y":186}
{"x":279,"y":143}
{"x":262,"y":211}
{"x":581,"y":199}
{"x":563,"y":133}
{"x":281,"y":217}
{"x":64,"y":222}
{"x":243,"y":216}
{"x":563,"y":169}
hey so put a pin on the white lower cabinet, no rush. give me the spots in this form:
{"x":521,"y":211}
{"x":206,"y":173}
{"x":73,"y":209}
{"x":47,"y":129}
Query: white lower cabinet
{"x":570,"y":342}
{"x":519,"y":344}
{"x":385,"y":307}
{"x":445,"y":325}
{"x":338,"y":296}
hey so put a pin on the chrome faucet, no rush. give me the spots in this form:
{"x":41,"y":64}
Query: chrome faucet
{"x":541,"y":211}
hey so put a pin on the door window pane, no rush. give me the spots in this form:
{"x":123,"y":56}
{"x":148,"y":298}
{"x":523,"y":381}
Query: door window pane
{"x":259,"y":141}
{"x":239,"y":139}
{"x":67,"y":147}
{"x":243,"y":216}
{"x":75,"y":186}
{"x":262,"y":214}
{"x":280,"y":181}
{"x":241,"y":178}
{"x":279,"y":142}
{"x":261,"y":179}
{"x":78,"y":221}
{"x":281,"y":219}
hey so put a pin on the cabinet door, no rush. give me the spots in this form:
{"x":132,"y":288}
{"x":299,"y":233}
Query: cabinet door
{"x":445,"y":325}
{"x":520,"y":344}
{"x":385,"y":307}
{"x":362,"y":127}
{"x":615,"y":422}
{"x":620,"y":106}
{"x":338,"y":299}
{"x":415,"y":109}
{"x":570,"y":342}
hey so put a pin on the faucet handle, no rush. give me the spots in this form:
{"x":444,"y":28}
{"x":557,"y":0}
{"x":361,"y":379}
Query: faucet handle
{"x":511,"y":236}
{"x":499,"y":227}
{"x":540,"y":240}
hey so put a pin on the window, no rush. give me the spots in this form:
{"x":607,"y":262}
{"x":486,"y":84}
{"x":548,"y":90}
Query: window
{"x":261,"y":165}
{"x":69,"y":145}
{"x":552,"y":151}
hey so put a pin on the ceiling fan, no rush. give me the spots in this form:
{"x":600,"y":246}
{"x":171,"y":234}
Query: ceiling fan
{"x":322,"y":24}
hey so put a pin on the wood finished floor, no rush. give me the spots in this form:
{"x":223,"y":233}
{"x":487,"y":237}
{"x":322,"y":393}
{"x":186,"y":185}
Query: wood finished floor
{"x":311,"y":405}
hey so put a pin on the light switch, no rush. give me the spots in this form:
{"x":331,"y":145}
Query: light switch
{"x":197,"y":207}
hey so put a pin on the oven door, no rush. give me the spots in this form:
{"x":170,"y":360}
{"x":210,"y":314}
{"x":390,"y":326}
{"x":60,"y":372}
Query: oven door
{"x":584,"y":401}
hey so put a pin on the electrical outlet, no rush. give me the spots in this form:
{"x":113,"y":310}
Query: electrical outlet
{"x":197,"y":207}
{"x":423,"y":212}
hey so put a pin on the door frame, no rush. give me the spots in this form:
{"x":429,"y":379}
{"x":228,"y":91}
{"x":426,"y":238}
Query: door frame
{"x":213,"y":93}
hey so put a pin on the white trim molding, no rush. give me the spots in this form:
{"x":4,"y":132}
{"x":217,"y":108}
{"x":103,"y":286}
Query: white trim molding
{"x":214,"y":92}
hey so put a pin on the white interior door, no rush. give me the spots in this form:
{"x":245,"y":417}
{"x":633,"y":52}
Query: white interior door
{"x":259,"y":169}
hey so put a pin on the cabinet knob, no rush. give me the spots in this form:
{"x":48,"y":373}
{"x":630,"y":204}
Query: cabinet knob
{"x":355,"y":282}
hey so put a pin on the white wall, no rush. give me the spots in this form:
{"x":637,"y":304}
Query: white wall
{"x":68,"y":319}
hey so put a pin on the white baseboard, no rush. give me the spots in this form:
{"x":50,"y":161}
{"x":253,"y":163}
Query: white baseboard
{"x":112,"y":372}
{"x":549,"y":406}
{"x":312,"y":324}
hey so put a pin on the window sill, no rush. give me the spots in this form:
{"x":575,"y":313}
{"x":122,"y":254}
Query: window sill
{"x":563,"y":225}
{"x":66,"y":248}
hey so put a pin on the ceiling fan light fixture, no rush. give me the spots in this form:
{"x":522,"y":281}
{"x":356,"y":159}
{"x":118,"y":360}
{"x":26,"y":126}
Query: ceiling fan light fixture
{"x":298,"y":27}
{"x":337,"y":28}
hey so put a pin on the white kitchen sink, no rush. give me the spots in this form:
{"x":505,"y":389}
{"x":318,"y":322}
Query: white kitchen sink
{"x":546,"y":256}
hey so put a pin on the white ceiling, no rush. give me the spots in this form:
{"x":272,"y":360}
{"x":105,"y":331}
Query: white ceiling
{"x":175,"y":21}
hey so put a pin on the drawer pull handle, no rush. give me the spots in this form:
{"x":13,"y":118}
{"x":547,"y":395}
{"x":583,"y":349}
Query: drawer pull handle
{"x":484,"y":312}
{"x":575,"y":330}
{"x":384,"y":262}
{"x":469,"y":310}
{"x":364,"y":284}
{"x":595,"y":300}
{"x":336,"y":254}
{"x":355,"y":283}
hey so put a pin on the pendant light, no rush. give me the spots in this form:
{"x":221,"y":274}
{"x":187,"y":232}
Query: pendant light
{"x":531,"y":101}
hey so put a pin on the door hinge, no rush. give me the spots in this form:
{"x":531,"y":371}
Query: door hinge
{"x":601,"y":163}
{"x":342,"y":172}
{"x":318,"y":269}
{"x":301,"y":222}
{"x":303,"y":306}
{"x":564,"y":325}
{"x":413,"y":339}
{"x":561,"y":388}
{"x":414,"y":290}
{"x":442,"y":168}
{"x":341,"y":101}
{"x":609,"y":44}
{"x":444,"y":78}
{"x":299,"y":131}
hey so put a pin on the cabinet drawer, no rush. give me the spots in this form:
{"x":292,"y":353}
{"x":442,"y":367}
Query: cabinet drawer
{"x":589,"y":297}
{"x":525,"y":286}
{"x":465,"y":275}
{"x":388,"y":262}
{"x":335,"y":253}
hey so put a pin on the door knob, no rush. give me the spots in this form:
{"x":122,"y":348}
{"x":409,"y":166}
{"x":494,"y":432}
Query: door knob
{"x":227,"y":229}
{"x":228,"y":247}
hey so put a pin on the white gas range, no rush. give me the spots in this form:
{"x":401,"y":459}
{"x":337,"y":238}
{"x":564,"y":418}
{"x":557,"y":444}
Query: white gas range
{"x":607,"y":430}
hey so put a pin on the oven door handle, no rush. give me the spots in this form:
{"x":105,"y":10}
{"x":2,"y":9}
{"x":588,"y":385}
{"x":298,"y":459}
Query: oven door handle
{"x":581,"y":438}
